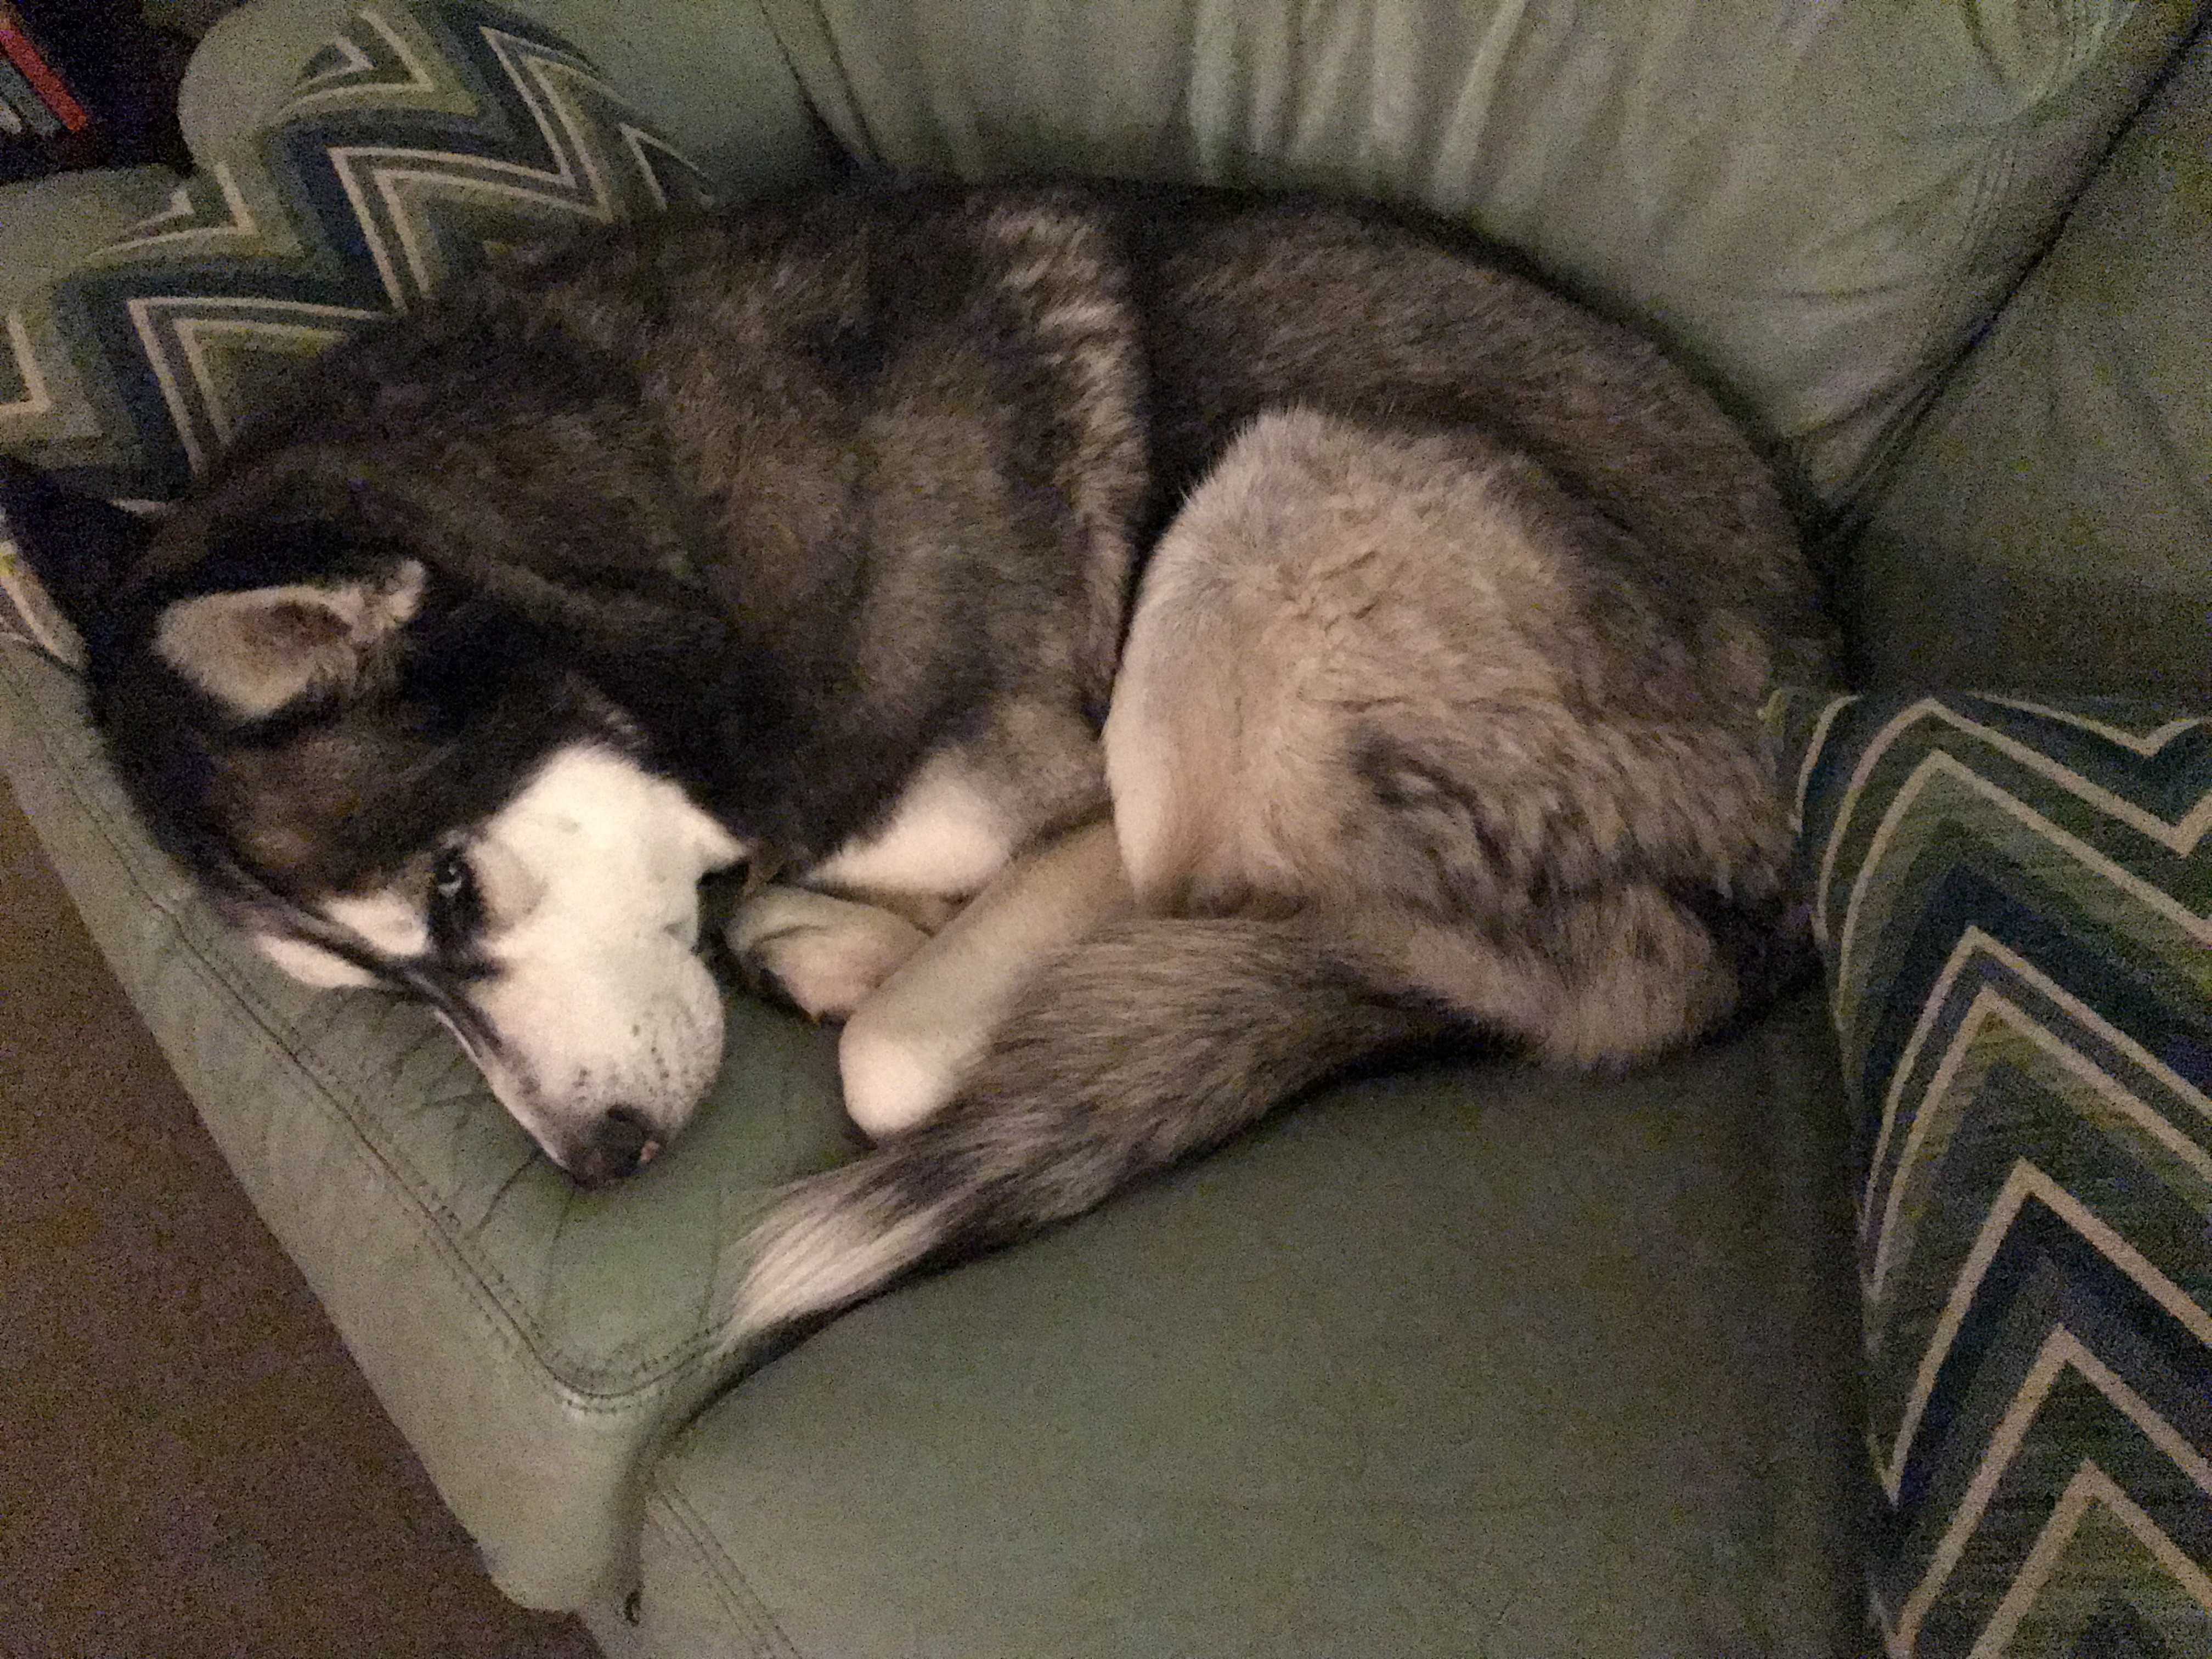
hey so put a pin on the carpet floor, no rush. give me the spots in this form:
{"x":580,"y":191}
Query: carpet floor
{"x":191,"y":1468}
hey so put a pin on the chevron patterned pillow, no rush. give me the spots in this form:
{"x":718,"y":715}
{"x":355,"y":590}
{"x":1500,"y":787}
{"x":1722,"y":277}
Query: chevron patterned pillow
{"x":424,"y":135}
{"x":2013,"y":901}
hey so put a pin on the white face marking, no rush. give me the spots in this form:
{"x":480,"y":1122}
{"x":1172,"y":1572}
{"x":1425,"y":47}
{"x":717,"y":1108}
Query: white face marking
{"x":598,"y":998}
{"x":310,"y":964}
{"x":944,"y":837}
{"x":592,"y":992}
{"x":387,"y":923}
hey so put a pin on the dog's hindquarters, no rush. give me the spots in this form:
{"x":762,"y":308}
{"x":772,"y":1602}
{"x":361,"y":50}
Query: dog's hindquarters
{"x":1394,"y":752}
{"x":1397,"y":685}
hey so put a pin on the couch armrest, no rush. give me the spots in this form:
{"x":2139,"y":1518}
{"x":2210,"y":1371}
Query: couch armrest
{"x":534,"y":1344}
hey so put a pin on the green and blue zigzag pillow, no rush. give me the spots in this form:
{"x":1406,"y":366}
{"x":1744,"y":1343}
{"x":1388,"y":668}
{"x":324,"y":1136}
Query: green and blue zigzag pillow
{"x":2014,"y":903}
{"x":424,"y":135}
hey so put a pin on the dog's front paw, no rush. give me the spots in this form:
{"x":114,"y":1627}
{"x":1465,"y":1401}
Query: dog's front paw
{"x":821,"y":954}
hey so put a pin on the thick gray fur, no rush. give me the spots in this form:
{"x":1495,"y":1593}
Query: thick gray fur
{"x":1437,"y":710}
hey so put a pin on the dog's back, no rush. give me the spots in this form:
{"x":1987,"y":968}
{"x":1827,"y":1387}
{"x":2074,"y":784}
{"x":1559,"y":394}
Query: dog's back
{"x":1402,"y":323}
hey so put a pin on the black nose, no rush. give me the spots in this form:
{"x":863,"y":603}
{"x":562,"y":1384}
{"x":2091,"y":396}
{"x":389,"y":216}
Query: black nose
{"x":620,"y":1142}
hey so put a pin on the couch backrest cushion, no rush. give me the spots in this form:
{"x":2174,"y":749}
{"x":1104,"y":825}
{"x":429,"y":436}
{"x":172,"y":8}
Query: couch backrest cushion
{"x":2050,"y":524}
{"x":1821,"y":201}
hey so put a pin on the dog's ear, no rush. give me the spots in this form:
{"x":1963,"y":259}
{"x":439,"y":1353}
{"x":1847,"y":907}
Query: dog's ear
{"x":78,"y":546}
{"x":256,"y":650}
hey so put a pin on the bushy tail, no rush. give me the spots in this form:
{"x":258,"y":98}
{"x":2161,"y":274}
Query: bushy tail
{"x":1146,"y":1043}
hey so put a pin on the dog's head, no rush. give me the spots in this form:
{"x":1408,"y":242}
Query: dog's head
{"x":387,"y":776}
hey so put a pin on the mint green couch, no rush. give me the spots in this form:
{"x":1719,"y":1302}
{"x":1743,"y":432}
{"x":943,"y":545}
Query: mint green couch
{"x":1463,"y":1361}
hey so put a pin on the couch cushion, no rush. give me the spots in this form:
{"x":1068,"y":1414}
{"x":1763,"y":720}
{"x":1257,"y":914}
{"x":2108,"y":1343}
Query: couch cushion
{"x":1818,"y":201}
{"x":533,"y":1343}
{"x":2014,"y":901}
{"x":1468,"y":1360}
{"x":2048,"y":525}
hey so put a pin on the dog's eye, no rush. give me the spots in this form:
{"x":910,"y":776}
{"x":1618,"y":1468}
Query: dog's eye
{"x":456,"y":908}
{"x":451,"y":877}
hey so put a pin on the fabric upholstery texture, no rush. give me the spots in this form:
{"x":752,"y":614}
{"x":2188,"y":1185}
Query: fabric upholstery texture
{"x":710,"y":71}
{"x":2013,"y":899}
{"x":47,"y":225}
{"x":407,"y":145}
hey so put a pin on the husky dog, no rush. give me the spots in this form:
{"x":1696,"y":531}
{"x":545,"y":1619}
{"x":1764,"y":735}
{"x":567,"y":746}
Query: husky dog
{"x":810,"y":536}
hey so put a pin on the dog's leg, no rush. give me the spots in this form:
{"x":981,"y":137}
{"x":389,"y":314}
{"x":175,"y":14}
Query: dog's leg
{"x":823,"y":954}
{"x":906,"y":1048}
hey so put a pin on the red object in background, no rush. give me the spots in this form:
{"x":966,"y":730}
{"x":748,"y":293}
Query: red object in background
{"x":96,"y":84}
{"x":33,"y":68}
